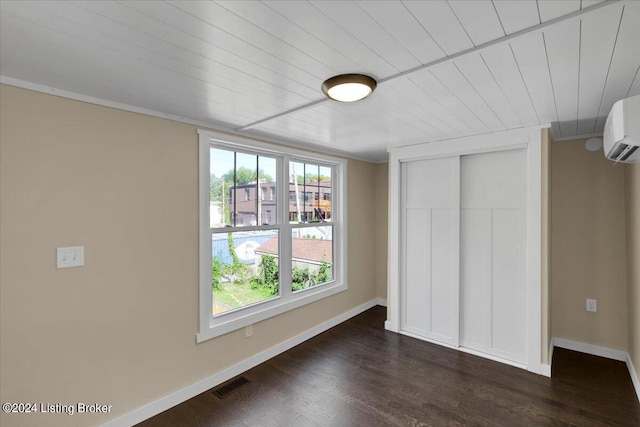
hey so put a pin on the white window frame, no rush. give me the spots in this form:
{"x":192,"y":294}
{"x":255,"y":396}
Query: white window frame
{"x":213,"y":326}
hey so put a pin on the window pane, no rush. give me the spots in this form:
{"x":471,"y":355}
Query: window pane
{"x":245,"y":208}
{"x":296,"y":188}
{"x":312,"y":257}
{"x":268,"y":190}
{"x":242,"y":189}
{"x":221,"y":182}
{"x":244,"y":269}
{"x":309,"y":192}
{"x":324,"y":192}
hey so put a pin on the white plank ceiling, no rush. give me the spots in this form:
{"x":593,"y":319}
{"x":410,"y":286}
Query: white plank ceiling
{"x":445,"y":68}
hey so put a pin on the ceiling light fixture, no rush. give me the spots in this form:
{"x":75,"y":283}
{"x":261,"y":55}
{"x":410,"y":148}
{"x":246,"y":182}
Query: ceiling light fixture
{"x":349,"y":87}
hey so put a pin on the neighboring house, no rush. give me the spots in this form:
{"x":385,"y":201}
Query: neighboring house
{"x":306,"y":252}
{"x":310,"y":201}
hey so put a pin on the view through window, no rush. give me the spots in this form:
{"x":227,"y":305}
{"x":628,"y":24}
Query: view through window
{"x":246,"y":230}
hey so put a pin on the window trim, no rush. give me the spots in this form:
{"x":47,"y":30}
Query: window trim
{"x":210,"y":326}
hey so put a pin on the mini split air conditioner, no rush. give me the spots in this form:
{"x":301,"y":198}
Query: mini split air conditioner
{"x":621,"y":140}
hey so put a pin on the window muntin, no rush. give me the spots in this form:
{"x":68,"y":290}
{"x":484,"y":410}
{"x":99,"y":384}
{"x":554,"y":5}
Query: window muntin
{"x":268,"y":167}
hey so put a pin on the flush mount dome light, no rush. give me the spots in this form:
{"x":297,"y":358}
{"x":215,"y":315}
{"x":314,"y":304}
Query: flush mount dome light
{"x":349,"y":87}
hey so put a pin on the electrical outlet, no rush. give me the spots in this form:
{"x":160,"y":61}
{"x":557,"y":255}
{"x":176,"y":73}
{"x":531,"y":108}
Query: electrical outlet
{"x":592,"y":305}
{"x":70,"y":257}
{"x":248,"y":331}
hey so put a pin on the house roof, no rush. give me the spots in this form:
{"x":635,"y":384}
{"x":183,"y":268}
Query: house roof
{"x":316,"y":250}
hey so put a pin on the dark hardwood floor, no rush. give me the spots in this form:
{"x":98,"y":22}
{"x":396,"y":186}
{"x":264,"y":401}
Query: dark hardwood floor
{"x":357,"y":374}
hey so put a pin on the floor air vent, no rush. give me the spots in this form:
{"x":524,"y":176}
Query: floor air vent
{"x":225,"y":389}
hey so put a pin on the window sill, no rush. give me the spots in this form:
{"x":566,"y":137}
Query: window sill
{"x":219,"y":326}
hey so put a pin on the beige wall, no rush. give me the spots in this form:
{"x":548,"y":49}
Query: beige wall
{"x":381,"y":227}
{"x":588,"y":255}
{"x":632,"y":187}
{"x":121,"y":330}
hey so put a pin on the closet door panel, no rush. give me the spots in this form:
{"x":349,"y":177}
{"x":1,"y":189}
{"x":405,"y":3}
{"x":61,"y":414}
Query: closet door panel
{"x":429,"y":183}
{"x":493,"y":180}
{"x":442,"y":297}
{"x":492,"y":287}
{"x":508,"y":285}
{"x":429,"y":249}
{"x":475,"y":278}
{"x":417,"y":281}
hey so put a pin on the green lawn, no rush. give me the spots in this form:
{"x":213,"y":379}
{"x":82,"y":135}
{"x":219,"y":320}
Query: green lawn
{"x":234,"y":295}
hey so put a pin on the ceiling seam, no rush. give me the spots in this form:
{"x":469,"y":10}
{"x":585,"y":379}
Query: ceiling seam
{"x":479,"y":95}
{"x":502,"y":91}
{"x":169,"y":70}
{"x":553,"y":91}
{"x":441,"y":106}
{"x":606,"y":79}
{"x":207,"y":42}
{"x":498,"y":15}
{"x":460,"y":101}
{"x":524,"y":82}
{"x":356,"y":38}
{"x":433,"y":116}
{"x":633,"y":81}
{"x":423,"y":28}
{"x":537,"y":28}
{"x":387,"y":31}
{"x":284,"y":113}
{"x":434,"y":131}
{"x":258,"y":48}
{"x":221,"y":4}
{"x":179,"y":47}
{"x":312,"y":35}
{"x":461,"y":25}
{"x":237,"y":38}
{"x":579,"y":68}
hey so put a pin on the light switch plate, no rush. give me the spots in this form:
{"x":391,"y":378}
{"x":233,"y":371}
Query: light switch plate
{"x":70,"y":257}
{"x":592,"y":305}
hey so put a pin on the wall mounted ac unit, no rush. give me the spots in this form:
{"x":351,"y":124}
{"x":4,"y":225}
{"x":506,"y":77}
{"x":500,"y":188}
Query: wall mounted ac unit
{"x":621,"y":140}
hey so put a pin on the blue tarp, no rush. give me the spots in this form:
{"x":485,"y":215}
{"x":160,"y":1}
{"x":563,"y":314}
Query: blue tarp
{"x":220,"y":247}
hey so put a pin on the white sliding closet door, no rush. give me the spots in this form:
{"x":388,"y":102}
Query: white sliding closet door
{"x":430,"y":235}
{"x":493,"y":309}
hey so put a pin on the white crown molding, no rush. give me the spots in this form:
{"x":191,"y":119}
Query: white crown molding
{"x":582,"y":136}
{"x":212,"y":125}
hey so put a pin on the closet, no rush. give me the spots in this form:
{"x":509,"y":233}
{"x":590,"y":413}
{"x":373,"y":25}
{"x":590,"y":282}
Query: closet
{"x":464,"y":225}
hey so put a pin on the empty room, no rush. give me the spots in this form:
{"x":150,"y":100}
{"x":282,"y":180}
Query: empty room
{"x":320,"y":213}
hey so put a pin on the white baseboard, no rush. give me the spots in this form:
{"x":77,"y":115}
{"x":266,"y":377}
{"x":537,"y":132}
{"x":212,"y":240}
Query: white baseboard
{"x":381,"y":301}
{"x":545,"y":370}
{"x":596,"y":350}
{"x":634,"y":376}
{"x":205,"y":384}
